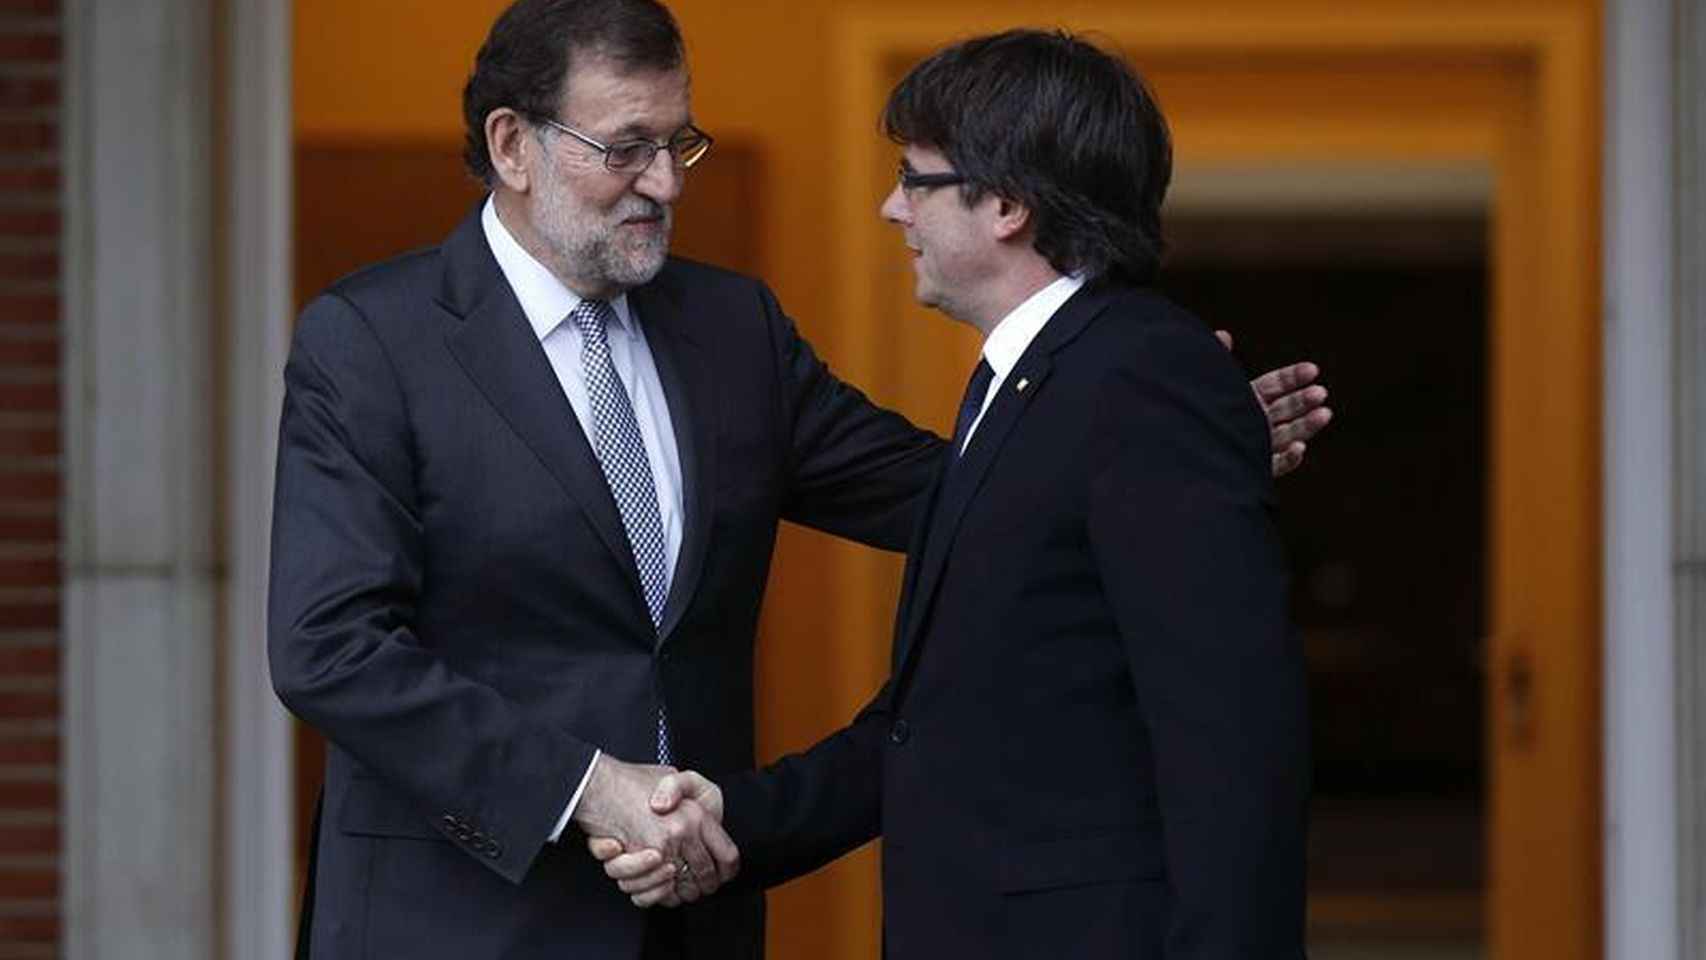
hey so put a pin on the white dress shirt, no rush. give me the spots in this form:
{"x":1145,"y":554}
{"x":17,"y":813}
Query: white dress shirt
{"x":547,"y":303}
{"x":1013,"y":335}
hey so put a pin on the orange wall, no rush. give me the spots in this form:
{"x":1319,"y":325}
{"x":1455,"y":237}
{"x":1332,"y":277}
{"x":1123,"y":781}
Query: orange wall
{"x":382,"y":69}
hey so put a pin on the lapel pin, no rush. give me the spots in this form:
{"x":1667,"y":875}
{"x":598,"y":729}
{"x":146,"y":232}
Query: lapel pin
{"x":1022,"y":384}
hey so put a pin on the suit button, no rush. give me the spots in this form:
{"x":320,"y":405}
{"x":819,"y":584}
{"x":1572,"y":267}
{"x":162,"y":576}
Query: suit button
{"x":900,"y":732}
{"x":493,"y":850}
{"x":450,"y":822}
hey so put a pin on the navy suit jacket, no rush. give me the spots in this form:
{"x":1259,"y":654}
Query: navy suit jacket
{"x":1093,"y":740}
{"x":455,"y":606}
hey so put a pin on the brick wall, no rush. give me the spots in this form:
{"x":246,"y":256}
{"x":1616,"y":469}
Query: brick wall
{"x":30,"y":484}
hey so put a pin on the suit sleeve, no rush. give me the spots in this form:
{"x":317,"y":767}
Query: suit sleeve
{"x":1179,"y":524}
{"x":348,"y":567}
{"x":860,"y":472}
{"x":806,"y":809}
{"x":856,"y":470}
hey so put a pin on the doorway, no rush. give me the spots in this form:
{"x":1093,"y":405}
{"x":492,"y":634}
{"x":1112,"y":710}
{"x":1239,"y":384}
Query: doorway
{"x":1387,"y":536}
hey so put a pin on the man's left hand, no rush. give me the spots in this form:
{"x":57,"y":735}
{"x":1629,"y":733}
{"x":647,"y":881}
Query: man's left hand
{"x":1296,"y":407}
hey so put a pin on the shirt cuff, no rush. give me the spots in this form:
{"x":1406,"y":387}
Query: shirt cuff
{"x":575,"y":801}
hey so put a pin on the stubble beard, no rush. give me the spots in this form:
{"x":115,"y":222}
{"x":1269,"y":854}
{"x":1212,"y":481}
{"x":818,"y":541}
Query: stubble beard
{"x":591,"y":250}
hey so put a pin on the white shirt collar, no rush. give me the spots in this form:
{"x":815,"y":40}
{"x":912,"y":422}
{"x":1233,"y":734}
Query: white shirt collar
{"x":1013,"y":335}
{"x":544,"y":299}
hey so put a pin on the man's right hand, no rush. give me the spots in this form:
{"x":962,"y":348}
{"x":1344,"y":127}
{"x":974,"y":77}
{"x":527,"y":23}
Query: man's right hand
{"x":644,"y":874}
{"x":669,"y":832}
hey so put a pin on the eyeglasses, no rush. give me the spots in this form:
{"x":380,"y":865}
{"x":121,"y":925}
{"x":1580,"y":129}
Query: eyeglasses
{"x":687,"y":147}
{"x":911,"y":180}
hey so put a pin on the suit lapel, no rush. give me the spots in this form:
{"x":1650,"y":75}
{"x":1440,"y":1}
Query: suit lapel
{"x":691,"y":397}
{"x":961,"y":480}
{"x":914,"y":561}
{"x":959,"y":485}
{"x":500,"y":353}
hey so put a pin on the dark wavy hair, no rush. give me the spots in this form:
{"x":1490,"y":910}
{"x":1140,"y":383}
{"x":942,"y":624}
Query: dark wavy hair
{"x":1054,"y":123}
{"x":529,"y":51}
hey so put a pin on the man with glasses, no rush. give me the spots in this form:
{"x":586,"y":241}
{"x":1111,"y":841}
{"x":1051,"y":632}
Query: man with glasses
{"x":528,"y":489}
{"x":1093,"y":741}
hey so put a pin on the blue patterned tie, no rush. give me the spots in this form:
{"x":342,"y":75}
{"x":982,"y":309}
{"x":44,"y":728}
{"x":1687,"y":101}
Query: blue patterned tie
{"x":622,"y":455}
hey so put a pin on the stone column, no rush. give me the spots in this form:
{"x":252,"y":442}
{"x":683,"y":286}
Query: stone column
{"x":1641,"y":697}
{"x":142,"y":581}
{"x":1689,"y":365}
{"x":254,"y":307}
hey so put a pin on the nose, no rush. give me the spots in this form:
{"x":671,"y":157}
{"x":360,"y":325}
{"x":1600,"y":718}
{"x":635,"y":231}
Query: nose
{"x":895,"y":209}
{"x":660,"y":180}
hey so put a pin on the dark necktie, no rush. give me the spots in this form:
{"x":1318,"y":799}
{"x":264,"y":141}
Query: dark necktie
{"x":622,"y":456}
{"x":972,"y":404}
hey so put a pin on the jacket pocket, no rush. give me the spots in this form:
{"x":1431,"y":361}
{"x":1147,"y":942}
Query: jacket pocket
{"x":1073,"y":861}
{"x":370,"y":809}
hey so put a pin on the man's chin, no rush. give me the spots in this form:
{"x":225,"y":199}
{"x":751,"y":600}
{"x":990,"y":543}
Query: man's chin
{"x":642,"y":266}
{"x":652,"y":266}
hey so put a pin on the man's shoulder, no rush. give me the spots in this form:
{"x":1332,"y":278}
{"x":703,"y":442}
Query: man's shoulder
{"x":382,"y":303}
{"x":1132,"y":323}
{"x":1145,"y":311}
{"x":738,"y":307}
{"x":1139,"y":331}
{"x":682,"y":276}
{"x":414,"y":273}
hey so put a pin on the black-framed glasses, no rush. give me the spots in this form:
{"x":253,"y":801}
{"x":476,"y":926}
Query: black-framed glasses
{"x":911,"y":180}
{"x":687,"y":147}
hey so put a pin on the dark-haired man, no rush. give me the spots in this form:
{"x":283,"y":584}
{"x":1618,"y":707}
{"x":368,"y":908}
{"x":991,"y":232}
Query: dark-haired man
{"x":528,"y":489}
{"x":1093,"y":741}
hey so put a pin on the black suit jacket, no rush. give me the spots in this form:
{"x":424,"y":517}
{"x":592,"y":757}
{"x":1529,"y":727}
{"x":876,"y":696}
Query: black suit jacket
{"x":455,"y":606}
{"x":1093,"y":740}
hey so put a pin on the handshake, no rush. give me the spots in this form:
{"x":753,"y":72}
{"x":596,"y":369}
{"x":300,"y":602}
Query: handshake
{"x":658,"y":832}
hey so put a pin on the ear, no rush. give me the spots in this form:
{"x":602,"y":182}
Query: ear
{"x":1012,"y":218}
{"x":507,"y":142}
